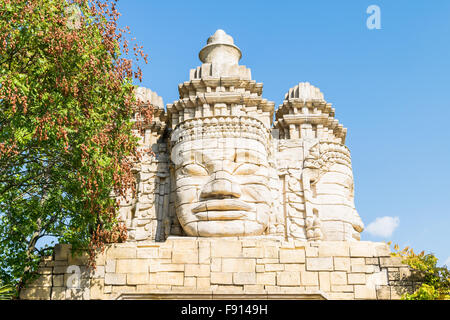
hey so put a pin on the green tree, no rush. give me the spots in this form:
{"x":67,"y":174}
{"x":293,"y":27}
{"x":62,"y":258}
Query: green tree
{"x":6,"y":292}
{"x":435,"y":281}
{"x":66,"y":141}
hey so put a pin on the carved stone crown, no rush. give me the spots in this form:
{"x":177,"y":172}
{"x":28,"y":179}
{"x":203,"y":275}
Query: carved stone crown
{"x":220,"y":127}
{"x":326,"y":153}
{"x":305,"y":114}
{"x":220,"y":87}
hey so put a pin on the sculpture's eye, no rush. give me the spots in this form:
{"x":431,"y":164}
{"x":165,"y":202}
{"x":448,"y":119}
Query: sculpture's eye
{"x":246,"y":168}
{"x":194,"y":170}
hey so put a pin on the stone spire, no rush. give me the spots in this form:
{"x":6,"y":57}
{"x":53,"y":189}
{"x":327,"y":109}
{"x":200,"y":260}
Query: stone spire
{"x":220,"y":49}
{"x":220,"y":87}
{"x":305,"y":114}
{"x":220,"y":58}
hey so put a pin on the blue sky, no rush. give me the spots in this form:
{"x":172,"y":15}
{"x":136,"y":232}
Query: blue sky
{"x":390,"y":88}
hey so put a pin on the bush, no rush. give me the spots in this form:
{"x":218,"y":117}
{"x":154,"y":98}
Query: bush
{"x":435,"y":281}
{"x":6,"y":292}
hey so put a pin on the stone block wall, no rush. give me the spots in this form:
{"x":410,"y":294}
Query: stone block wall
{"x":208,"y":268}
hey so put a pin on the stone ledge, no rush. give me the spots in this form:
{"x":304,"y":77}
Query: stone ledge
{"x":209,"y":268}
{"x":221,"y":296}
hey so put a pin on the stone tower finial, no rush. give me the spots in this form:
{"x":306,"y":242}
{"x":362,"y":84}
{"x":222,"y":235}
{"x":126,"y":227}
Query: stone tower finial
{"x":220,"y":49}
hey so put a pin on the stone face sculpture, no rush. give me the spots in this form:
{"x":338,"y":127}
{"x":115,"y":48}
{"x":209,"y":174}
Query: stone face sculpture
{"x":221,"y":177}
{"x":222,"y":168}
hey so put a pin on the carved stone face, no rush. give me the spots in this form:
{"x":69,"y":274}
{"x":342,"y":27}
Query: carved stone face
{"x":222,"y":186}
{"x":339,"y":218}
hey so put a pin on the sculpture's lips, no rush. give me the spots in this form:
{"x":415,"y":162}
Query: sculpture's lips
{"x":222,"y":205}
{"x":221,"y":209}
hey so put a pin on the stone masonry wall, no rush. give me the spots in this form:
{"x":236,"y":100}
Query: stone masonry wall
{"x":209,"y":267}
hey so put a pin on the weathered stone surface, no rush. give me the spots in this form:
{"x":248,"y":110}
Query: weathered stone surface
{"x":391,"y":262}
{"x":309,"y":278}
{"x":188,"y":256}
{"x":312,"y":251}
{"x":221,"y":278}
{"x":152,"y":252}
{"x":62,"y":252}
{"x":77,"y":294}
{"x":373,"y":261}
{"x":167,"y":278}
{"x":268,"y":278}
{"x":58,"y":281}
{"x":204,"y":252}
{"x":365,"y":292}
{"x":254,"y":288}
{"x":244,"y":278}
{"x":341,"y":296}
{"x":58,"y":293}
{"x":295,"y":267}
{"x":99,"y":272}
{"x":342,"y":288}
{"x":97,"y":289}
{"x":35,"y":293}
{"x":226,"y":248}
{"x":383,"y":293}
{"x":115,"y":279}
{"x":238,"y":265}
{"x":319,"y":264}
{"x":216,"y":264}
{"x":78,"y":258}
{"x":324,"y":281}
{"x":341,"y":263}
{"x":288,"y":278}
{"x":160,"y":267}
{"x":110,"y":265}
{"x":253,"y":252}
{"x":273,"y":267}
{"x":137,"y":278}
{"x":44,"y":280}
{"x":123,"y":289}
{"x":292,"y":256}
{"x":203,"y":283}
{"x":120,"y":252}
{"x":45,"y":270}
{"x":356,"y":278}
{"x":334,"y":248}
{"x":362,"y":249}
{"x":197,"y":270}
{"x":338,"y":278}
{"x":132,"y":266}
{"x":100,"y":259}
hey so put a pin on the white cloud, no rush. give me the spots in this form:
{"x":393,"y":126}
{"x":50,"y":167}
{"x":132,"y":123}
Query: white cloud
{"x":383,"y":226}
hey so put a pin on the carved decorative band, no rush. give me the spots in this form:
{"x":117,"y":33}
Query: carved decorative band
{"x":326,"y":153}
{"x":220,"y":127}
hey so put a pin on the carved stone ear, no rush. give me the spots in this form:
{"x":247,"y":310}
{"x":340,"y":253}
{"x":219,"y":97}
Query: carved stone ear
{"x":357,"y":223}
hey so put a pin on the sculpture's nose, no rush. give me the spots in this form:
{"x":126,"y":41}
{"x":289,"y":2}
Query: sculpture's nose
{"x":221,"y":185}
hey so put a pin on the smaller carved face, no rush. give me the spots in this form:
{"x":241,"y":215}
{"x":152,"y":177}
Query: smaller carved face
{"x":340,"y":220}
{"x":222,"y":187}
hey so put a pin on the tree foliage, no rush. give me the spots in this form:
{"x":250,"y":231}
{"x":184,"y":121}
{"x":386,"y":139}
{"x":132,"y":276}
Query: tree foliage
{"x":6,"y":292}
{"x":66,"y":144}
{"x":435,"y":280}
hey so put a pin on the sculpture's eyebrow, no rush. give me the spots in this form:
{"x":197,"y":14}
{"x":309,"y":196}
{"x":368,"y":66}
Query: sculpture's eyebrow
{"x":192,"y":156}
{"x":248,"y":155}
